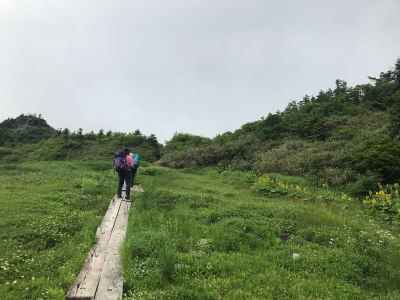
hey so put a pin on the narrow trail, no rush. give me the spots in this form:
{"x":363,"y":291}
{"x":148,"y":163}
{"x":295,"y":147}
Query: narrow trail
{"x":101,"y":275}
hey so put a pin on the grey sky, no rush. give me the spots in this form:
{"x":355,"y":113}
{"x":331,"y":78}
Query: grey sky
{"x":198,"y":66}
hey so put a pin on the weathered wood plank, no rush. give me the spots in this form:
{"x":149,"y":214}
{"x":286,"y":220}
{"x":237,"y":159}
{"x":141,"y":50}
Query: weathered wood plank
{"x":111,"y":282}
{"x":89,"y":286}
{"x":88,"y":280}
{"x":81,"y":277}
{"x":108,"y":219}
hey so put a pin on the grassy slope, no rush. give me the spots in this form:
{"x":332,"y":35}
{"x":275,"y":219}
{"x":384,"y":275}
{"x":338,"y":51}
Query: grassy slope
{"x":205,"y":235}
{"x":48,"y":215}
{"x":58,"y":148}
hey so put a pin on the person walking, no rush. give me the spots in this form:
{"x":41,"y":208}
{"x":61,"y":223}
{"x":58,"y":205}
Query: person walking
{"x":123,"y":164}
{"x":136,"y":163}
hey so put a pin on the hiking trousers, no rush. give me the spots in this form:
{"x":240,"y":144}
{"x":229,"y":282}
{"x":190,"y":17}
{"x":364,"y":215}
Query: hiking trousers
{"x":124,"y":177}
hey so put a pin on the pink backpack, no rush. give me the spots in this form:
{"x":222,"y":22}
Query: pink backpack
{"x":130,"y":161}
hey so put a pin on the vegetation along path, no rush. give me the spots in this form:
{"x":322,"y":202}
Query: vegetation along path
{"x":194,"y":234}
{"x":48,"y":224}
{"x":212,"y":234}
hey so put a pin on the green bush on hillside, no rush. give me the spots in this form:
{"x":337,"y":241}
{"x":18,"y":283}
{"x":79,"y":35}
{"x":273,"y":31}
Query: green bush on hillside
{"x":344,"y":136}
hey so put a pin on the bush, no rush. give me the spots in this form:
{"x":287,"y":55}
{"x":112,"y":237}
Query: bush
{"x":150,"y":171}
{"x":301,"y":158}
{"x":385,"y":200}
{"x":4,"y":152}
{"x":269,"y":186}
{"x":378,"y":154}
{"x":183,"y":141}
{"x":363,"y":184}
{"x":336,"y":176}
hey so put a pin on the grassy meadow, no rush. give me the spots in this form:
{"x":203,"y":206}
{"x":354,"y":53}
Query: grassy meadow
{"x":49,"y":212}
{"x":194,"y":234}
{"x":229,"y":235}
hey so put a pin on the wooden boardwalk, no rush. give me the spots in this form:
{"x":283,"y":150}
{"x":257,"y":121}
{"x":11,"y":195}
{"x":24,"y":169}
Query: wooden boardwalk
{"x":101,"y":275}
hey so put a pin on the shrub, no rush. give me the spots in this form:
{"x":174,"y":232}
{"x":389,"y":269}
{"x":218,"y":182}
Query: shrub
{"x":385,"y":200}
{"x":363,"y":184}
{"x":378,"y":154}
{"x":336,"y":176}
{"x":4,"y":152}
{"x":183,"y":141}
{"x":268,"y":186}
{"x":150,"y":171}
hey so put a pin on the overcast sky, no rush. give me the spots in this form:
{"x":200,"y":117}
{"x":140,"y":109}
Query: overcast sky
{"x":198,"y":66}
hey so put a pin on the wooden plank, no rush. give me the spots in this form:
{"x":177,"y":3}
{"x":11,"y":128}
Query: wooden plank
{"x":105,"y":229}
{"x":108,"y":217}
{"x":89,"y":286}
{"x":111,"y":282}
{"x":81,"y":277}
{"x":101,"y":275}
{"x":87,"y":282}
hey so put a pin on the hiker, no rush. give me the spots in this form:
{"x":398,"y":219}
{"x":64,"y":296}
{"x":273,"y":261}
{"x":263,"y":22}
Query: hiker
{"x":136,"y":164}
{"x":123,"y":165}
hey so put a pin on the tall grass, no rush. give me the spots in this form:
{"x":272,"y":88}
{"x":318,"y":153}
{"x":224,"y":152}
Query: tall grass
{"x":49,"y":212}
{"x":206,"y":234}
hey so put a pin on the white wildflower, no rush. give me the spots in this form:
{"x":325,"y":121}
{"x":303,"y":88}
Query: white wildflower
{"x":296,"y":256}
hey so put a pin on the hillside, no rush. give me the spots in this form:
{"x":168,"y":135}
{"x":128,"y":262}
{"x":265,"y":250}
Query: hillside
{"x":346,"y":136}
{"x":24,"y":129}
{"x":29,"y":137}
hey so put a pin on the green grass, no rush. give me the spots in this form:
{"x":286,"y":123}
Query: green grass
{"x":200,"y":234}
{"x":194,"y":234}
{"x":49,"y":212}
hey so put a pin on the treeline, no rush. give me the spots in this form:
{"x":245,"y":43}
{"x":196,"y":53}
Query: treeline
{"x":78,"y":145}
{"x":342,"y":136}
{"x":29,"y":137}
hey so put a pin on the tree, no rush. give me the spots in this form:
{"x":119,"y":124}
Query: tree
{"x":80,"y":134}
{"x":91,"y":135}
{"x":272,"y":127}
{"x":394,"y":127}
{"x":65,"y":133}
{"x":341,"y":87}
{"x":100,"y":135}
{"x":397,"y":72}
{"x":152,"y":140}
{"x":58,"y":132}
{"x":3,"y":137}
